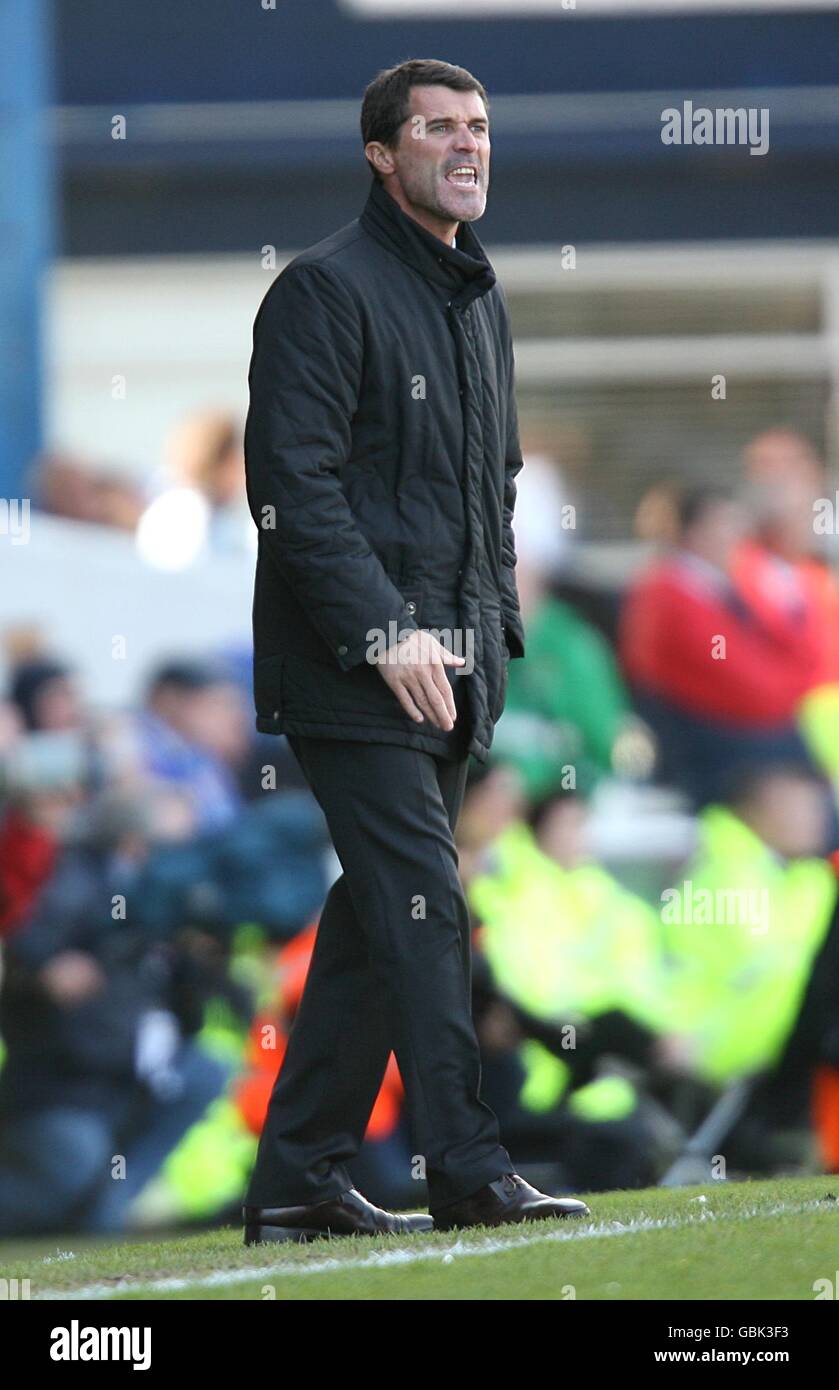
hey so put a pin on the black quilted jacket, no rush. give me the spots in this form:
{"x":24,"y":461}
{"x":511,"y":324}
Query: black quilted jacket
{"x":381,"y":448}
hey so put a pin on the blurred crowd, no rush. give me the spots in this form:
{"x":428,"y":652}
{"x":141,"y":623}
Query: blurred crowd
{"x":193,"y":505}
{"x":162,"y":868}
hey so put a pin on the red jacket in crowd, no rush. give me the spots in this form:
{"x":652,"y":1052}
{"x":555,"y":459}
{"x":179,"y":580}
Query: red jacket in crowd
{"x":740,"y":650}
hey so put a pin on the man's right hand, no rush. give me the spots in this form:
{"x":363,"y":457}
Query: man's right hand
{"x":414,"y":670}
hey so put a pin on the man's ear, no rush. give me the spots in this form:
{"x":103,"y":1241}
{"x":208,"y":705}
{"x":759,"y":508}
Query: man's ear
{"x":379,"y":157}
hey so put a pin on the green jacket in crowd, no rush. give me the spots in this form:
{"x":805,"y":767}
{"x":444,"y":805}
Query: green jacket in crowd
{"x":741,"y":931}
{"x":565,"y":704}
{"x":567,"y":944}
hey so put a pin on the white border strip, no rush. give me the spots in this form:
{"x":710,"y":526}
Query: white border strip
{"x":556,"y":9}
{"x":384,"y":1259}
{"x":525,"y":113}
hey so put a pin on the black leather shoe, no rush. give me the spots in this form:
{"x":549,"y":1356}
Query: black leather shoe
{"x":509,"y":1199}
{"x":349,"y":1214}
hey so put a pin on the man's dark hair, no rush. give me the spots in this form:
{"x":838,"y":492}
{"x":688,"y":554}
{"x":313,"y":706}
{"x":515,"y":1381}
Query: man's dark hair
{"x":539,"y":809}
{"x":186,"y":675}
{"x":386,"y":104}
{"x":695,"y":503}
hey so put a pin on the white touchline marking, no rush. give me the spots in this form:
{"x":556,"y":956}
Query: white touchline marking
{"x":382,"y":1259}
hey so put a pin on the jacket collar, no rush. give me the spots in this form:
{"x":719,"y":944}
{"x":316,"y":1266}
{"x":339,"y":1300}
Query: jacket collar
{"x":464,"y":269}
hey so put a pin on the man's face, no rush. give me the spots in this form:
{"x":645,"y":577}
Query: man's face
{"x":791,"y":816}
{"x":716,"y":534}
{"x":438,"y":171}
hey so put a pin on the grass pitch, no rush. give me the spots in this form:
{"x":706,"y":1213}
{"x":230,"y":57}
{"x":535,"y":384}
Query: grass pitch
{"x":763,"y":1240}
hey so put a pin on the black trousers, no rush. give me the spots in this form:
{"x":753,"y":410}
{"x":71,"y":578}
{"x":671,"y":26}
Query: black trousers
{"x":391,"y":971}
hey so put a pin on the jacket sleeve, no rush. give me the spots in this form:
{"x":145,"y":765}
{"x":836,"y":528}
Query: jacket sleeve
{"x":513,"y":626}
{"x":305,"y":377}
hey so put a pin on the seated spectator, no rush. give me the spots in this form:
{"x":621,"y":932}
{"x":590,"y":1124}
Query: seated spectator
{"x":743,"y":926}
{"x":802,"y":1088}
{"x":752,"y":952}
{"x":784,"y":563}
{"x":98,"y":1016}
{"x":192,"y":731}
{"x":65,"y":485}
{"x":44,"y":691}
{"x":265,"y":751}
{"x":201,"y":507}
{"x":566,"y":705}
{"x":79,"y":490}
{"x":575,"y":964}
{"x":779,"y":455}
{"x":717,"y":677}
{"x":119,"y":500}
{"x":44,"y":782}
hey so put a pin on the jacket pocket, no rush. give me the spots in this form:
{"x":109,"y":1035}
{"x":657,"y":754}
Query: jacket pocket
{"x":269,"y":686}
{"x":503,"y":657}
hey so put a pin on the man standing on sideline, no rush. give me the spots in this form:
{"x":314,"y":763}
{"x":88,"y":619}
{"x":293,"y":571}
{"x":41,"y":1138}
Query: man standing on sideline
{"x":381,"y":450}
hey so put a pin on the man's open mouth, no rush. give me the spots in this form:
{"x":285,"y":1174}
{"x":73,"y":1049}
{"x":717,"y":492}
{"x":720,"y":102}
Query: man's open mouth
{"x":464,"y":176}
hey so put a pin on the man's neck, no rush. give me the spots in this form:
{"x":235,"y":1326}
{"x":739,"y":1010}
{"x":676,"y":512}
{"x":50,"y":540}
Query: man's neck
{"x":444,"y":231}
